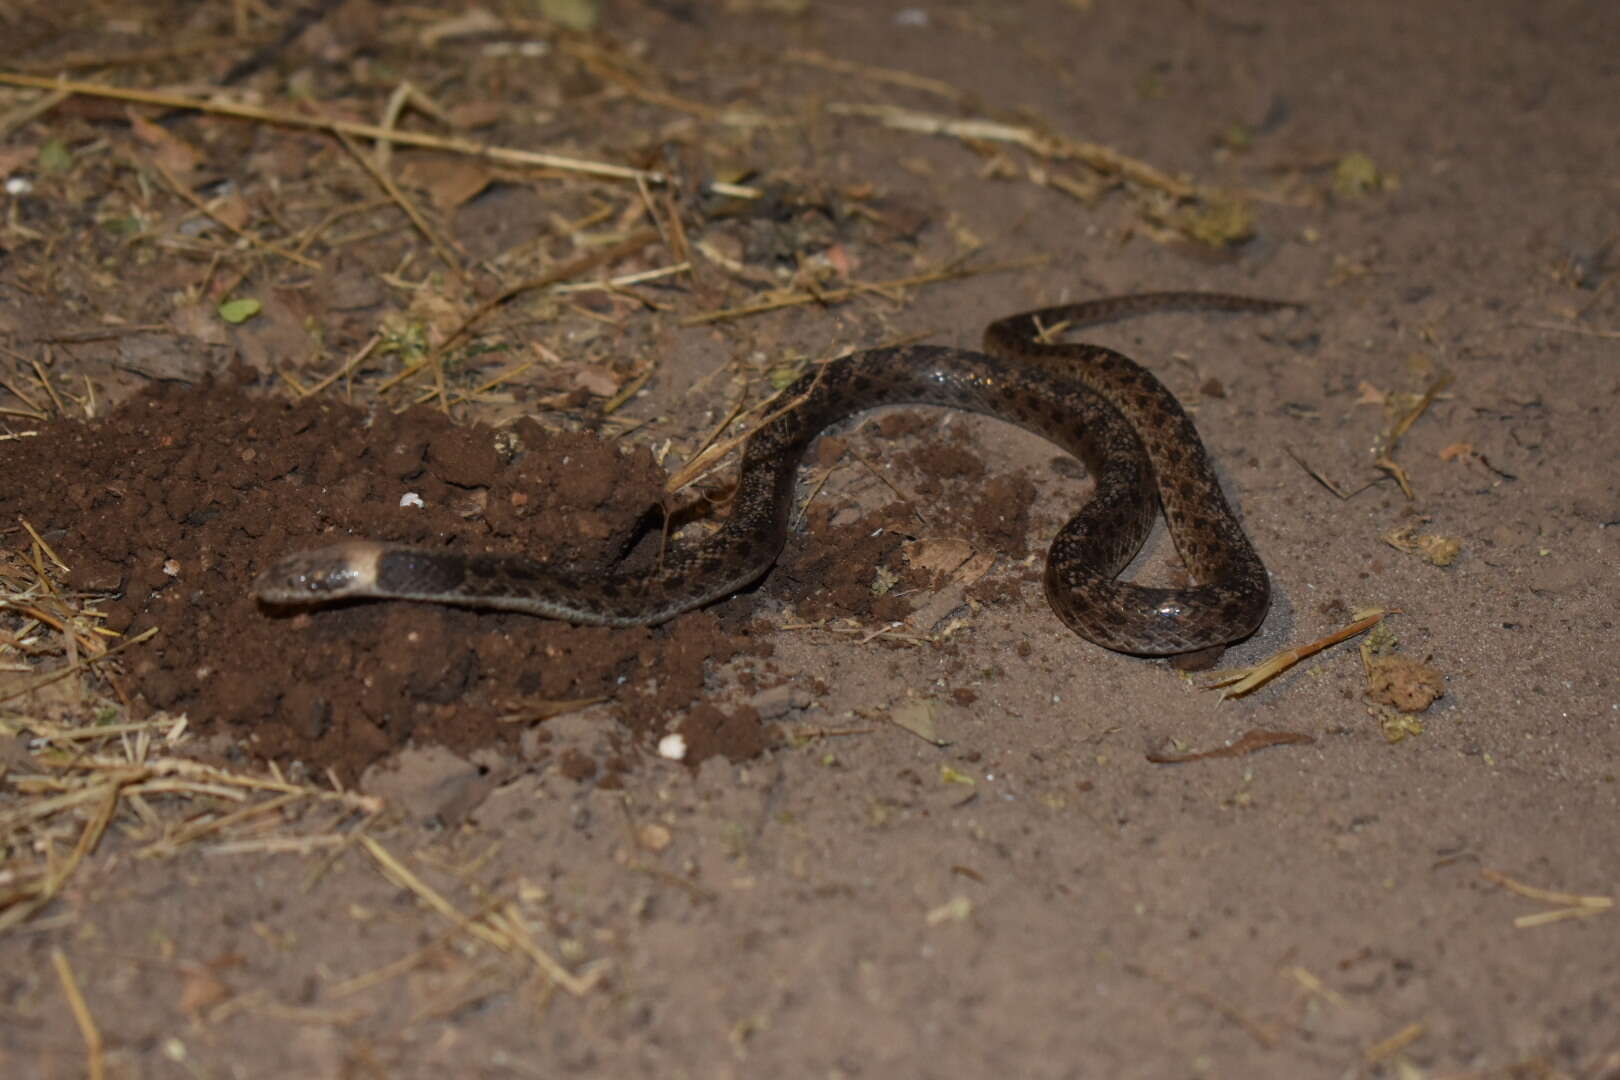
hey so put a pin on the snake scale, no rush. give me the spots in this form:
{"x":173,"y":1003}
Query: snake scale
{"x":1131,"y":433}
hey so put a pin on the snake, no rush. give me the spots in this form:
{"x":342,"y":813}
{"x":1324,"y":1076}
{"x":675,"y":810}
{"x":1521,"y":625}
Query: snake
{"x":1135,"y":439}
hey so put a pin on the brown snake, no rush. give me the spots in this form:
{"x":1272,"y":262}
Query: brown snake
{"x":1093,"y":402}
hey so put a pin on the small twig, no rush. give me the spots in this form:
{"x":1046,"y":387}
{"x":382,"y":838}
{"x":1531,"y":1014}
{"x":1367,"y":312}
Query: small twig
{"x":891,"y":76}
{"x":1325,"y":482}
{"x":1247,"y":744}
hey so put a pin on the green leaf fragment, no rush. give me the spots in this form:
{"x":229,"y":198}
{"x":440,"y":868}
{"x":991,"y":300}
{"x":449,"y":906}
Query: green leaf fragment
{"x":239,"y":311}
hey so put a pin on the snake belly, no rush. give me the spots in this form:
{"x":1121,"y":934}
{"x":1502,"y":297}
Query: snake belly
{"x":1135,"y":439}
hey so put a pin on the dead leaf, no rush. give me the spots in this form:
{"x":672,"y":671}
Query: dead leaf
{"x":916,"y":715}
{"x":232,"y":211}
{"x":1370,"y":394}
{"x":471,"y":23}
{"x":168,"y":151}
{"x":596,"y":379}
{"x":199,"y":322}
{"x":13,"y":158}
{"x":449,"y":182}
{"x":940,"y":554}
{"x":475,"y":114}
{"x":201,"y":990}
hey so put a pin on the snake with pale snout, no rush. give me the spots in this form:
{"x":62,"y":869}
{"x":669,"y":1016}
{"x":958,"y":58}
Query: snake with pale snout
{"x":1135,"y":439}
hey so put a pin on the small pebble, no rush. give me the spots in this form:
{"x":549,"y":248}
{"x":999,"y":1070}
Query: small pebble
{"x":672,"y":747}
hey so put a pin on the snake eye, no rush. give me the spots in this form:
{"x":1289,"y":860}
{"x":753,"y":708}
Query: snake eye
{"x":326,"y":579}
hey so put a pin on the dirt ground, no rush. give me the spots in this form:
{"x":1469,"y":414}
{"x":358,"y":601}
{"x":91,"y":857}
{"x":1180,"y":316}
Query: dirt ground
{"x":919,"y":828}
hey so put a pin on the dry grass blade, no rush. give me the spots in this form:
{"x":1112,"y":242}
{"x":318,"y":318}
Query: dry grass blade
{"x":714,"y":453}
{"x":1240,"y":682}
{"x":37,"y":411}
{"x":348,"y":368}
{"x":1104,"y":159}
{"x":95,"y":1052}
{"x":171,"y":843}
{"x":1575,"y":906}
{"x":496,"y":931}
{"x":619,"y":283}
{"x":348,"y":127}
{"x":1404,"y":424}
{"x":40,"y":888}
{"x":45,"y":384}
{"x":78,"y":665}
{"x":1386,"y":460}
{"x":1394,"y":1044}
{"x":95,"y":787}
{"x":44,"y":548}
{"x":54,"y":733}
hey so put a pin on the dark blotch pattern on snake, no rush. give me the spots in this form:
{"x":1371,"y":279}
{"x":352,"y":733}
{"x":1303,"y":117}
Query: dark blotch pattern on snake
{"x":1136,"y":440}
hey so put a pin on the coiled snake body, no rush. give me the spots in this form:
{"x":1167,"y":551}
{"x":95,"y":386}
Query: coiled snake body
{"x":1135,"y":439}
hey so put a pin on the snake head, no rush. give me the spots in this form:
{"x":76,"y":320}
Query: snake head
{"x":328,"y":573}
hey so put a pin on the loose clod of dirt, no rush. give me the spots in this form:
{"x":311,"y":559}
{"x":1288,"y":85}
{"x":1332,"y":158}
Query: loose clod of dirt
{"x":487,"y":278}
{"x":182,"y":495}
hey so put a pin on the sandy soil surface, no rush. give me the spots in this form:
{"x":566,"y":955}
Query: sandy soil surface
{"x":920,"y":828}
